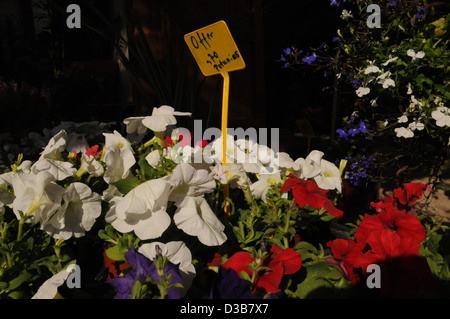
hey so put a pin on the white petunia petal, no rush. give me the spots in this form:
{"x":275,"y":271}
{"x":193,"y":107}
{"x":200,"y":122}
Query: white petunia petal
{"x":195,"y":218}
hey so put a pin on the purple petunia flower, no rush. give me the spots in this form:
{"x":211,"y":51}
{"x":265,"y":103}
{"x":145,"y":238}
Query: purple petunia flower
{"x":144,"y":268}
{"x":228,"y":285}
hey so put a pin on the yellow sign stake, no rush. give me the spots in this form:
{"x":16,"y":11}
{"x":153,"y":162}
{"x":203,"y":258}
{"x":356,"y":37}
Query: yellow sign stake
{"x":226,"y":90}
{"x":215,"y":52}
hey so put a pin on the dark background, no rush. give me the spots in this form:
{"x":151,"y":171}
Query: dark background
{"x":79,"y":69}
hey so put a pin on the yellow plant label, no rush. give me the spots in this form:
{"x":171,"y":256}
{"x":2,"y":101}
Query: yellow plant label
{"x":214,"y":49}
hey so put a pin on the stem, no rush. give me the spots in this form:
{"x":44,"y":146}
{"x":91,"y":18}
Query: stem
{"x":286,"y":227}
{"x":148,"y":143}
{"x":19,"y":232}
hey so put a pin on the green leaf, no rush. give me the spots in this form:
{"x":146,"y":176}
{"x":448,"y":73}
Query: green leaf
{"x":16,"y":295}
{"x":136,"y":293}
{"x":16,"y":282}
{"x":126,"y":185}
{"x":148,"y":172}
{"x":115,"y":253}
{"x":322,"y":280}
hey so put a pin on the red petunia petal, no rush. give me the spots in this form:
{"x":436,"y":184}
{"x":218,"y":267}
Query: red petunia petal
{"x":238,"y":262}
{"x":341,"y":247}
{"x":270,"y":280}
{"x":414,"y":191}
{"x":289,"y":258}
{"x":289,"y":183}
{"x":329,"y":207}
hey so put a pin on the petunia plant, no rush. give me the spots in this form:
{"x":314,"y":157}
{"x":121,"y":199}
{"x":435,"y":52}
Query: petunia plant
{"x":142,"y":207}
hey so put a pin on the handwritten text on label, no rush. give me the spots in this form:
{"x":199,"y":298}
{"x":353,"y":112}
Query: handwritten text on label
{"x":214,"y":49}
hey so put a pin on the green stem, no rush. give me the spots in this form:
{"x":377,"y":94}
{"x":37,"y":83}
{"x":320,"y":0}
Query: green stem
{"x":286,"y":226}
{"x":20,"y":230}
{"x":158,"y":138}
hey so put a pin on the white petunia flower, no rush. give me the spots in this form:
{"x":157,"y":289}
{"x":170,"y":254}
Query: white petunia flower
{"x":188,"y":181}
{"x":142,"y":210}
{"x":135,"y":125}
{"x":77,"y":142}
{"x":153,"y":158}
{"x":310,"y":166}
{"x":55,"y":146}
{"x":193,"y":214}
{"x":284,"y":160}
{"x":260,"y":188}
{"x":220,"y":173}
{"x":118,"y":156}
{"x":442,"y":116}
{"x":36,"y":195}
{"x":404,"y":132}
{"x":80,"y":208}
{"x":329,"y":177}
{"x":59,"y":169}
{"x":162,"y":117}
{"x":177,"y":253}
{"x":90,"y":165}
{"x":196,"y":218}
{"x":49,"y":289}
{"x":51,"y":158}
{"x":214,"y":151}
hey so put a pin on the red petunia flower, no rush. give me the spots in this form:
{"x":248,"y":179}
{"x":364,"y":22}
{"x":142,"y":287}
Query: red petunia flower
{"x":403,"y":269}
{"x":168,"y":142}
{"x":345,"y":256}
{"x":279,"y":261}
{"x":202,"y":143}
{"x":93,"y":151}
{"x":306,"y":192}
{"x":411,"y":193}
{"x":398,"y":222}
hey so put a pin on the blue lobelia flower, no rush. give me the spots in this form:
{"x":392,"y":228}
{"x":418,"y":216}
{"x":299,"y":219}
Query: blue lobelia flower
{"x":393,"y":3}
{"x":334,"y":3}
{"x":362,"y":127}
{"x":310,"y":59}
{"x":228,"y":285}
{"x":144,"y":268}
{"x":342,"y":133}
{"x":420,"y":12}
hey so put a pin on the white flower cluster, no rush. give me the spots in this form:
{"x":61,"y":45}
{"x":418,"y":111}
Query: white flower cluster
{"x":441,"y":115}
{"x":374,"y":73}
{"x":35,"y":193}
{"x":61,"y":212}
